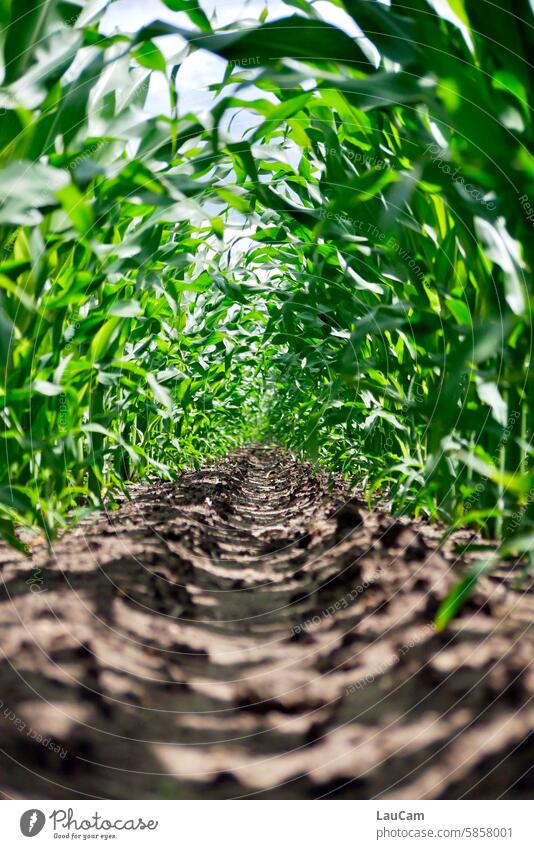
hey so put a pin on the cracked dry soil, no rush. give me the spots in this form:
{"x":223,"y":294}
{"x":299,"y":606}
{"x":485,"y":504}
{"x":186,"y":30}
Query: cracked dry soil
{"x":247,"y":632}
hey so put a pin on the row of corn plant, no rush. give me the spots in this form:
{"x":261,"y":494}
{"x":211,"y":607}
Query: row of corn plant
{"x":347,"y":272}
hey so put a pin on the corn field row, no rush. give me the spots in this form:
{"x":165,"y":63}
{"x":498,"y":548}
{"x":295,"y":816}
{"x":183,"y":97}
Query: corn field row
{"x":336,"y":254}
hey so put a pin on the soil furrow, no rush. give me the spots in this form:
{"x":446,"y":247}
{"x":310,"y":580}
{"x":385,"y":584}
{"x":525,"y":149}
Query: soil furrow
{"x":251,"y":631}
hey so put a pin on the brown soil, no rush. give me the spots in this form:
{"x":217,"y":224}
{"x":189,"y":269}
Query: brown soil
{"x":246,"y":633}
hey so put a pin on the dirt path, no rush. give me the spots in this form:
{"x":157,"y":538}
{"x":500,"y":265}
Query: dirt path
{"x":245,"y":633}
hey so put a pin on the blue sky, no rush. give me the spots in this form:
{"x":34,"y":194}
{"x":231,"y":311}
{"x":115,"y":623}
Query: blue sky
{"x":201,"y":68}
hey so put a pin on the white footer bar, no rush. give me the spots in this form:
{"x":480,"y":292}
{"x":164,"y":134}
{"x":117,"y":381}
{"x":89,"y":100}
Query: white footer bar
{"x":268,"y":824}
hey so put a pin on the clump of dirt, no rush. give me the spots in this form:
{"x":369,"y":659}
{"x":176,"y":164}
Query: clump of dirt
{"x":246,"y":632}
